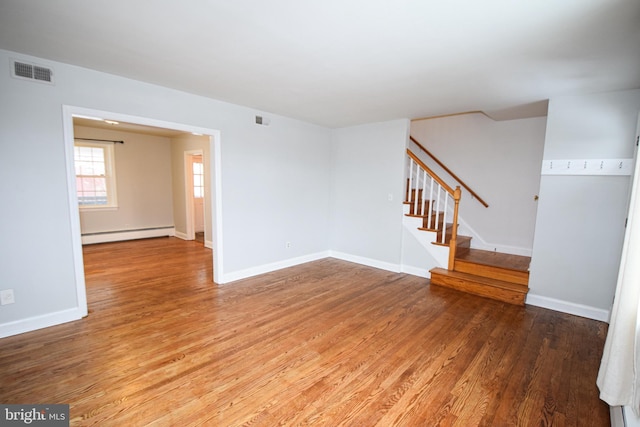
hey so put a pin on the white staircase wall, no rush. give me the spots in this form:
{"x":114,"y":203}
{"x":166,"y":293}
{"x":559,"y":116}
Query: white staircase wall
{"x":419,"y":254}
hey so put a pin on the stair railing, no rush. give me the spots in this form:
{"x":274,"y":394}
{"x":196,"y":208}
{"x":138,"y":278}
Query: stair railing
{"x":433,"y":200}
{"x":446,"y":169}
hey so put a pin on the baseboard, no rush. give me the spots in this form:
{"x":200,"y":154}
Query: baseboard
{"x":38,"y":322}
{"x":617,"y":416}
{"x":477,"y":242}
{"x":117,"y":236}
{"x":415,"y":271}
{"x":569,"y":307}
{"x":181,"y":235}
{"x":513,"y":250}
{"x":366,"y":261}
{"x":267,"y":268}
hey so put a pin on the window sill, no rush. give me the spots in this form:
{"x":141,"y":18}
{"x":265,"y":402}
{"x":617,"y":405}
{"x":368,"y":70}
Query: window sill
{"x":98,"y":208}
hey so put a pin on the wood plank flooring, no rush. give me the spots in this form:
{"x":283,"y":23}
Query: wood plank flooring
{"x":326,"y":343}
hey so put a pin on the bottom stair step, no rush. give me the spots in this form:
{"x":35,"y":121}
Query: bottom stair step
{"x":512,"y":293}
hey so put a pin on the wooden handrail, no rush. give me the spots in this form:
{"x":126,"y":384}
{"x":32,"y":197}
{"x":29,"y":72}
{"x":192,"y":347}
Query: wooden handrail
{"x":473,"y":193}
{"x":431,"y":172}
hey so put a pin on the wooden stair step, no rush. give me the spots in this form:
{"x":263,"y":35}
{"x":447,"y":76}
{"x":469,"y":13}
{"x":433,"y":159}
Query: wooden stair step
{"x":424,"y":215}
{"x":437,"y":219}
{"x":416,"y":209}
{"x":462,"y":242}
{"x":501,"y":266}
{"x":514,"y":276}
{"x":498,"y":259}
{"x":500,"y":290}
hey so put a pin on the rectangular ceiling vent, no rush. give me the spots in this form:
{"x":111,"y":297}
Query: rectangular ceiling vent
{"x":25,"y":70}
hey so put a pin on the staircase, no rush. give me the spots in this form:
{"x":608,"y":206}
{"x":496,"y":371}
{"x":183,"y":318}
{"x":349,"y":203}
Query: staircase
{"x":499,"y":276}
{"x":503,"y":277}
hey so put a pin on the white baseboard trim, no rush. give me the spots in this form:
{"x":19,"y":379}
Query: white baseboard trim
{"x":38,"y":322}
{"x":117,"y":236}
{"x":181,"y":235}
{"x":267,"y":268}
{"x":366,"y":261}
{"x":415,"y":271}
{"x":513,"y":250}
{"x":617,"y":416}
{"x":569,"y":307}
{"x":477,"y":242}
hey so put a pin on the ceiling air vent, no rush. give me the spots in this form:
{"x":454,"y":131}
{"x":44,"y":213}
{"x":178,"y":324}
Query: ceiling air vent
{"x":25,"y":70}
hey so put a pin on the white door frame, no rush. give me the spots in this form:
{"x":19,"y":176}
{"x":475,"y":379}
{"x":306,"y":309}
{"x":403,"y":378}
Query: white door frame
{"x":188,"y":189}
{"x":68,"y":111}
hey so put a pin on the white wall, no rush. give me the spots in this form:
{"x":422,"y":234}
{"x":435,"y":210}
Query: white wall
{"x":143,"y":175}
{"x":275,"y":183}
{"x":367,"y":192}
{"x":500,"y":161}
{"x":580,"y":226}
{"x":416,"y":259}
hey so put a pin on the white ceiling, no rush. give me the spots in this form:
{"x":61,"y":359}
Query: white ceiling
{"x":345,"y":62}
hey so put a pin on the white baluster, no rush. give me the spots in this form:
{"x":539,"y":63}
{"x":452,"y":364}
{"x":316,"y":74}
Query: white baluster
{"x":415,"y":198}
{"x":410,"y":179}
{"x":430,"y":207}
{"x":424,"y":191}
{"x":438,"y":208}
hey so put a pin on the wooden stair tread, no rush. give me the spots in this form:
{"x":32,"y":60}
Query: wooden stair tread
{"x":421,"y":216}
{"x":461,"y":240}
{"x":496,"y":259}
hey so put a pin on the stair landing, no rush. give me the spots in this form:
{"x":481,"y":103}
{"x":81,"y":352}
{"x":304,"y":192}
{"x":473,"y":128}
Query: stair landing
{"x":494,"y":275}
{"x":497,"y":259}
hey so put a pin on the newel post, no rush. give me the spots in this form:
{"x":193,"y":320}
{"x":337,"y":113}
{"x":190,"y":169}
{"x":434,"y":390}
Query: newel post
{"x":454,"y":228}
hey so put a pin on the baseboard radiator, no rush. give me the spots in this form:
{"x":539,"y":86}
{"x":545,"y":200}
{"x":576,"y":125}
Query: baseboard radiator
{"x":120,"y":235}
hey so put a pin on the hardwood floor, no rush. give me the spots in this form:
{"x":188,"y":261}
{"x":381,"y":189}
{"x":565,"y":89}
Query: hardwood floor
{"x":324,"y":343}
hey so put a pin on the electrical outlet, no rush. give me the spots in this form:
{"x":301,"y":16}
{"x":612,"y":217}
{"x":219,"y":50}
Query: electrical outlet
{"x":6,"y":297}
{"x":287,"y":245}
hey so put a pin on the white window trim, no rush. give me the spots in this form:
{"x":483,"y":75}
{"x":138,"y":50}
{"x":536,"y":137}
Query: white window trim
{"x":194,"y":174}
{"x":110,"y":172}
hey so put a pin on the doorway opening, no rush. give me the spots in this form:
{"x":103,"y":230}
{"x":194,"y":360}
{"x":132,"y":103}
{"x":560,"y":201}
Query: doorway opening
{"x":211,"y":182}
{"x":196,"y":194}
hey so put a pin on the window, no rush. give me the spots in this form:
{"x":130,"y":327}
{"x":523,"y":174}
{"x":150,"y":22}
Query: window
{"x":95,"y":179}
{"x":198,"y":180}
